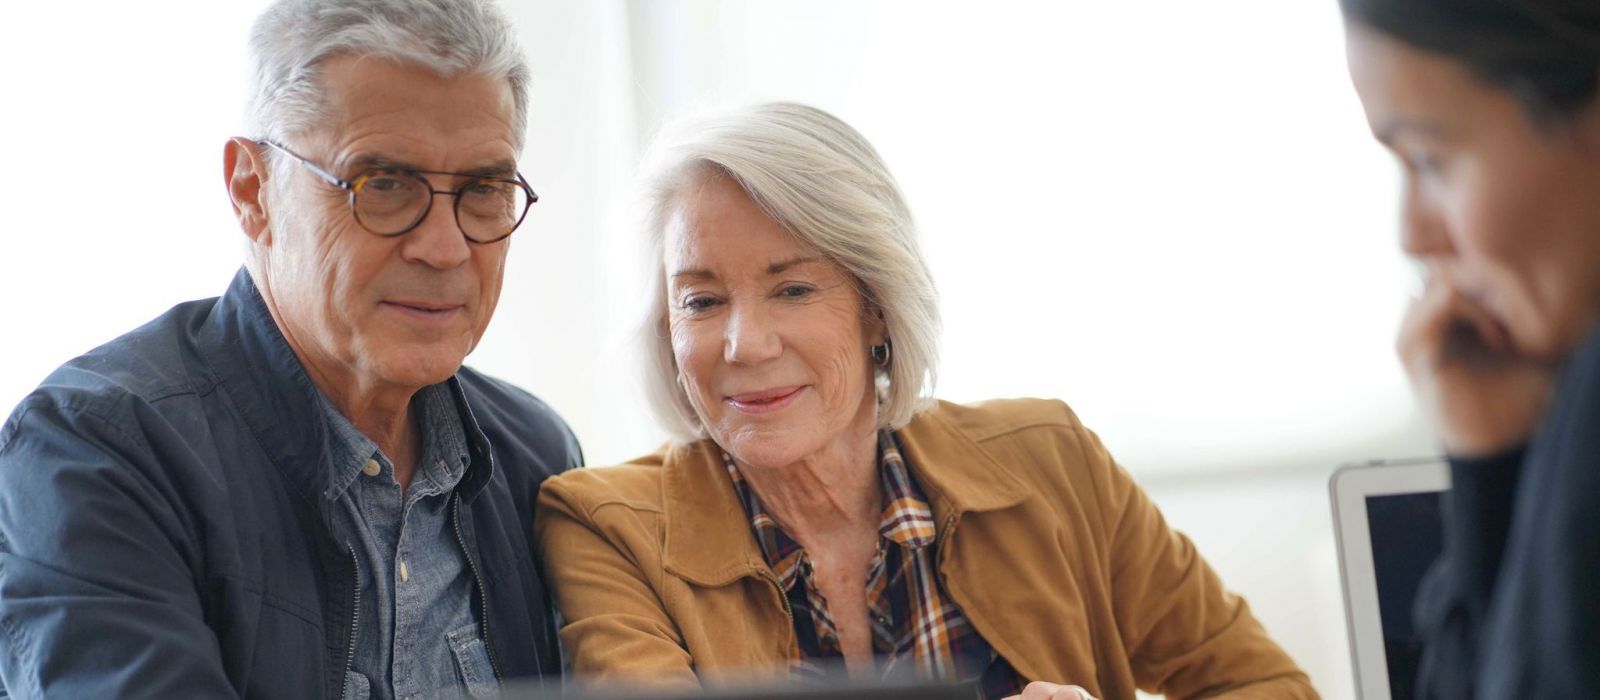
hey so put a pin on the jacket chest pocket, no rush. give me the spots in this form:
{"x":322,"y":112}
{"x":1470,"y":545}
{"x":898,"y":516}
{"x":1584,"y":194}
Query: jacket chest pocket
{"x":472,"y":661}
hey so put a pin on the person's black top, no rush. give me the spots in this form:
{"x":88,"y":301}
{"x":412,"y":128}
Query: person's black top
{"x":1512,"y":607}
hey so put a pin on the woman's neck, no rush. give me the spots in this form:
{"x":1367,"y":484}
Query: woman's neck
{"x":827,"y":494}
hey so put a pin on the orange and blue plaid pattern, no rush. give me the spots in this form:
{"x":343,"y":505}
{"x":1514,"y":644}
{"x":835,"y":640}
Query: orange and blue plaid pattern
{"x":917,"y":630}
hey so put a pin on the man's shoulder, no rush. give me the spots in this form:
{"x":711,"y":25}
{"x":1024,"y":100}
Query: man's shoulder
{"x":518,"y":423}
{"x":145,"y":367}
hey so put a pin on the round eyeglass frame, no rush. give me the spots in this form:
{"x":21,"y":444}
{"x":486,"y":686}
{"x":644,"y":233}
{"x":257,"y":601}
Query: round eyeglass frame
{"x":353,"y":187}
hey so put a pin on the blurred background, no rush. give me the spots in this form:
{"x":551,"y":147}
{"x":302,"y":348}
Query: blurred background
{"x":1168,"y":214}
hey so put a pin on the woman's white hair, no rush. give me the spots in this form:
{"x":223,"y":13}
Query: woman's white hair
{"x":292,"y":38}
{"x":826,"y":185}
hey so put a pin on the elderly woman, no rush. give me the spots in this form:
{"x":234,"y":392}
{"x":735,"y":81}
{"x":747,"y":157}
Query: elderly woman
{"x":816,"y":507}
{"x":1493,"y":107}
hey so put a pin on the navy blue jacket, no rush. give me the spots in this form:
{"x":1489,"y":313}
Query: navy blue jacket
{"x":1512,"y":608}
{"x":162,"y":534}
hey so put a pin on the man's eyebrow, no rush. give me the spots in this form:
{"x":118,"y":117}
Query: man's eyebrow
{"x":377,"y":161}
{"x":501,"y":168}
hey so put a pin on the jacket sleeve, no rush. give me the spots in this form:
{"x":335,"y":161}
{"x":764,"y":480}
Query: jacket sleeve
{"x":1185,"y":635}
{"x":97,"y":594}
{"x":615,"y":627}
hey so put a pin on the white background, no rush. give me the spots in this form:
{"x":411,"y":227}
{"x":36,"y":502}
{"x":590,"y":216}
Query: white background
{"x":1168,"y":214}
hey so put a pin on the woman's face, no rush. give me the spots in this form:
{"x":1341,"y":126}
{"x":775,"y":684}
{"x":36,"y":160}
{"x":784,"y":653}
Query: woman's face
{"x":770,"y":338}
{"x":1507,"y":209}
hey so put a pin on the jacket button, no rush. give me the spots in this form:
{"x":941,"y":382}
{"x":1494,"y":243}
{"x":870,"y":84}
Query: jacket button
{"x":372,"y":468}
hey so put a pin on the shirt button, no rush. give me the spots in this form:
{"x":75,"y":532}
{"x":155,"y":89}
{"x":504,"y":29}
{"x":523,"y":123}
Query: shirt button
{"x":372,"y":468}
{"x":405,"y":572}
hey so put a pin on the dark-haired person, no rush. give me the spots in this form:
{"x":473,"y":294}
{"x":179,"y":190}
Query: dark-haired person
{"x":1491,"y":106}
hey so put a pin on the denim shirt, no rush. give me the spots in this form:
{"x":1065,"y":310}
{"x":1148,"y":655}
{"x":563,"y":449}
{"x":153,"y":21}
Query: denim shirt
{"x":417,"y":636}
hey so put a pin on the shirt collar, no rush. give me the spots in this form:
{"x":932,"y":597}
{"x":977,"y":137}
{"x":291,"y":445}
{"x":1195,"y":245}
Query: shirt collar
{"x":907,"y":516}
{"x":444,"y":444}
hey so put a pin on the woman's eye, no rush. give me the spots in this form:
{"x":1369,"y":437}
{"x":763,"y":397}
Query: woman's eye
{"x":795,"y":291}
{"x":698,"y":303}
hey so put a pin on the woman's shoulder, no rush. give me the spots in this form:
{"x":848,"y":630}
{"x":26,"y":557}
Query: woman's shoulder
{"x":992,"y":418}
{"x":639,"y":484}
{"x":635,"y":484}
{"x":1031,"y":440}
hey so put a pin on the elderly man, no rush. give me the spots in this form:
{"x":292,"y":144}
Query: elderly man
{"x":296,"y":490}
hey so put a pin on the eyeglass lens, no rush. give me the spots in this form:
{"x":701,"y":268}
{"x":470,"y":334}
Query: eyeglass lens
{"x":390,"y":203}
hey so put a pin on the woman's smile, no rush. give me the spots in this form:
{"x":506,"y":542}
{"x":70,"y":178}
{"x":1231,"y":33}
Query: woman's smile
{"x":765,"y":401}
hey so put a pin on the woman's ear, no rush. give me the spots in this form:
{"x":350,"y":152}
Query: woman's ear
{"x":875,"y":327}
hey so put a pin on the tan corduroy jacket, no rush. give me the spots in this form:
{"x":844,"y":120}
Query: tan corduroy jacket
{"x":1056,"y":556}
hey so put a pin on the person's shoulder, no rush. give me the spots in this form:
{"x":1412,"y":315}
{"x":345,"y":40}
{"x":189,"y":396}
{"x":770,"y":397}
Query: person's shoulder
{"x":154,"y":364}
{"x":497,"y":398}
{"x":635,"y":485}
{"x":996,"y":418}
{"x":130,"y":411}
{"x":1039,"y":443}
{"x":518,"y":422}
{"x":155,"y":360}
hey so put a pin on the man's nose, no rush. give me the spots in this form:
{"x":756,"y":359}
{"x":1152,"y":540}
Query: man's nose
{"x":437,"y":240}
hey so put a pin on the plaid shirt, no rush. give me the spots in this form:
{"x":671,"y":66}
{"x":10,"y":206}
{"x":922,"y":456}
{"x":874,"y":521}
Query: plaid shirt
{"x":916,"y":628}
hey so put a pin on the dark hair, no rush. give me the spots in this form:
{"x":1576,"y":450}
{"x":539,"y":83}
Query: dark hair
{"x":1544,"y":52}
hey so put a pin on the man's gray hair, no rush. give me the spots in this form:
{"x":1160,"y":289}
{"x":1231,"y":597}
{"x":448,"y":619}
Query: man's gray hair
{"x":292,"y":38}
{"x":827,"y":186}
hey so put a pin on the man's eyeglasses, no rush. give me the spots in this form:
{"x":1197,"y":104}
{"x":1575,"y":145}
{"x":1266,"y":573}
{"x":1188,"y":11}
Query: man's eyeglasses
{"x":392,"y":201}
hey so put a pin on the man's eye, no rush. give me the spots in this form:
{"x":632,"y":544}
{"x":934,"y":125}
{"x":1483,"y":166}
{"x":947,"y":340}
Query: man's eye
{"x":385,"y":183}
{"x":484,"y":188}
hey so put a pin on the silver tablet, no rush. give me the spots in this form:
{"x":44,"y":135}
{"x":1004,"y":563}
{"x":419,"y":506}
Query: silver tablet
{"x":1387,"y":522}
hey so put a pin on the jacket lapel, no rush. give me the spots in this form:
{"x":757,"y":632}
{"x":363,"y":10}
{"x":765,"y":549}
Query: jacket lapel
{"x":1002,"y":556}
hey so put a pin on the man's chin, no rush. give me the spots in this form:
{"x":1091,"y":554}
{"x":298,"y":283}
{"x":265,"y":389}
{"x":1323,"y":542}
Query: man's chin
{"x":417,"y":367}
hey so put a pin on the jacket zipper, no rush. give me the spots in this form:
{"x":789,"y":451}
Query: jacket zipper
{"x":355,"y":619}
{"x":940,"y":539}
{"x":783,"y":596}
{"x":483,"y":594}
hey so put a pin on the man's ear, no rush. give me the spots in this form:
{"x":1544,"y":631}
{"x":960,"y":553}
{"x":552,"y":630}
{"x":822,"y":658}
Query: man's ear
{"x":245,"y":170}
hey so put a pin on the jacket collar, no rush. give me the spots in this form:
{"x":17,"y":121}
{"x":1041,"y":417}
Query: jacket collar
{"x":252,"y":362}
{"x":708,"y":540}
{"x":958,"y":475}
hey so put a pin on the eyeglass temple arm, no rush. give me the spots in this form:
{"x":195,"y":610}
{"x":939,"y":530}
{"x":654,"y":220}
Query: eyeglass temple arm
{"x":332,"y":180}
